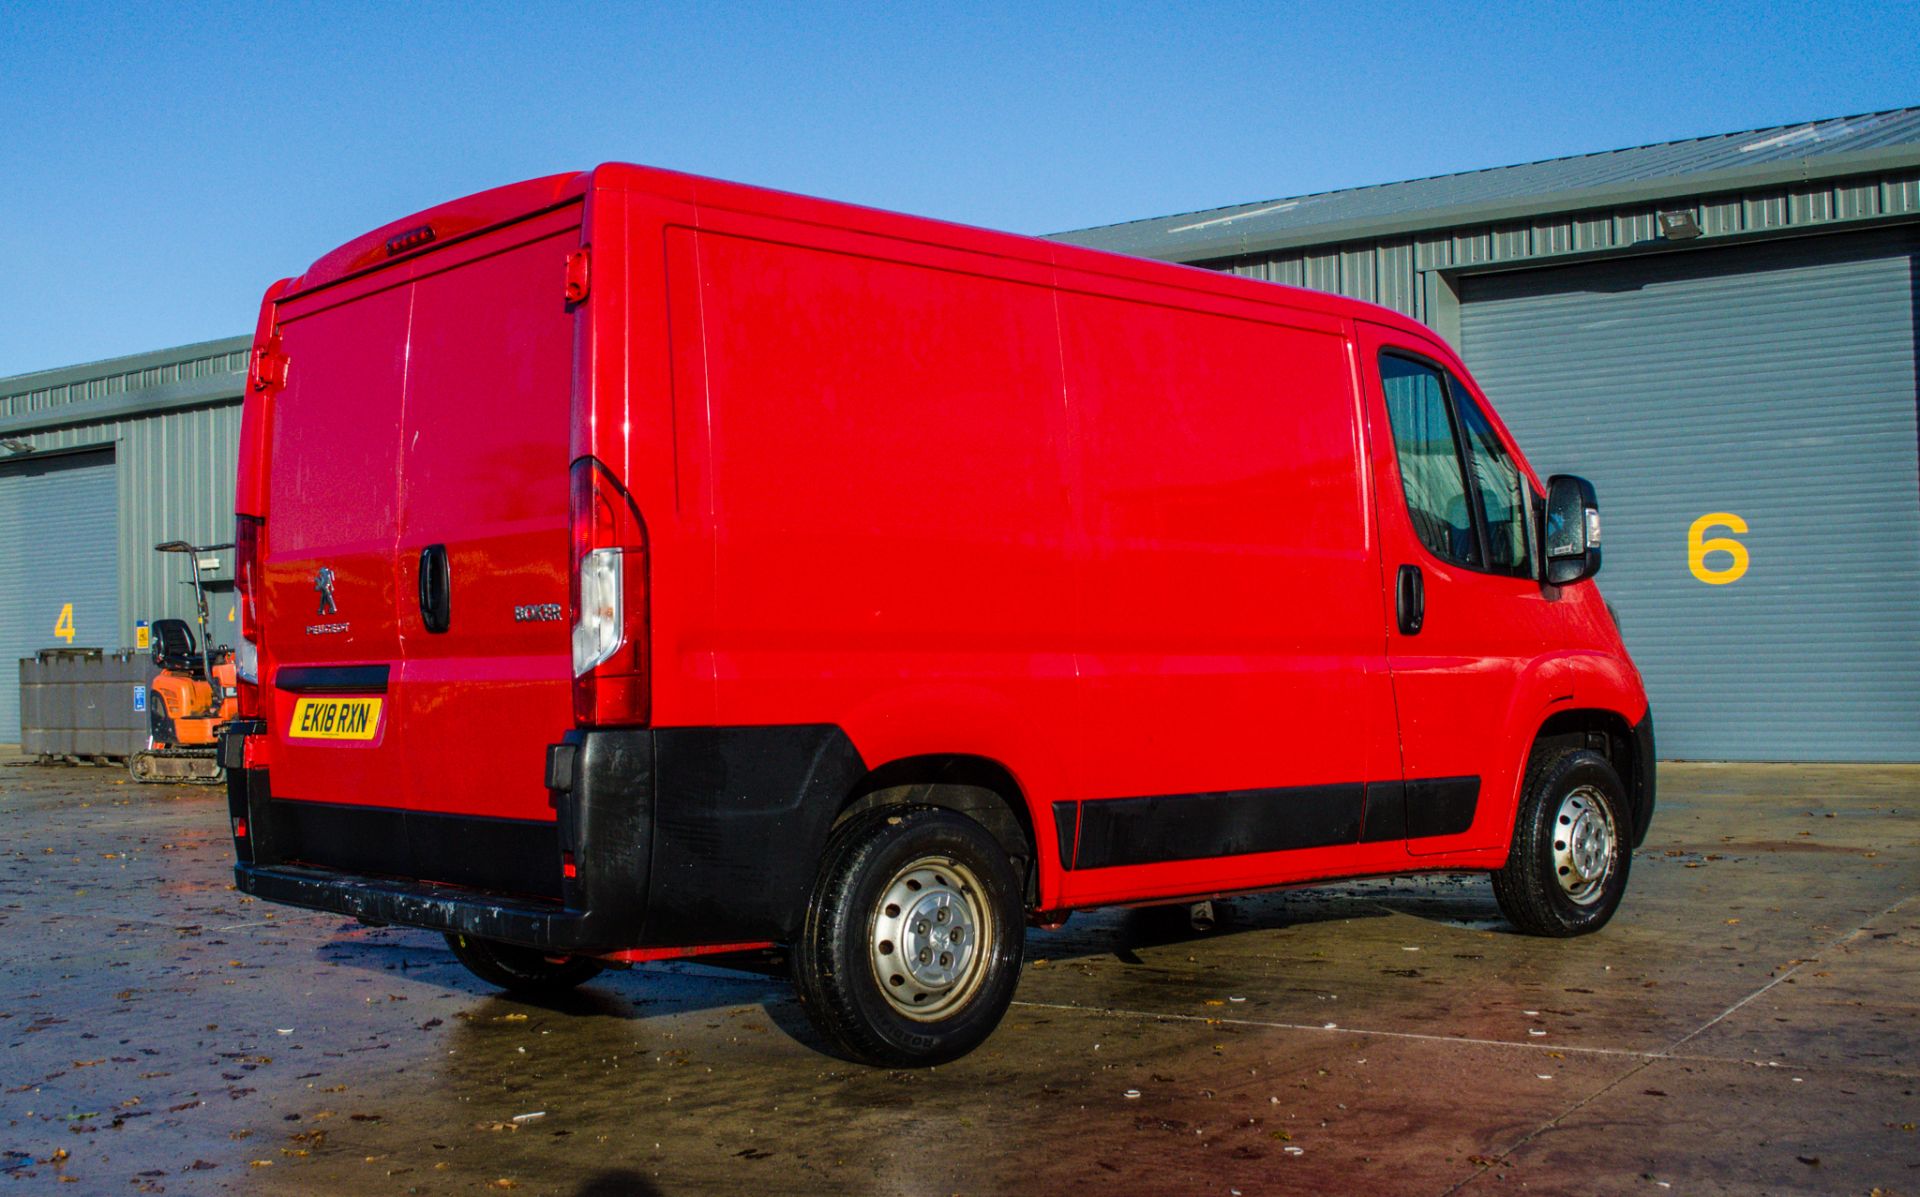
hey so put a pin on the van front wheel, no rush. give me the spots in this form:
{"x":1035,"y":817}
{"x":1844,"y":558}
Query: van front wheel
{"x":911,"y":946}
{"x":1571,"y":847}
{"x":521,"y":970}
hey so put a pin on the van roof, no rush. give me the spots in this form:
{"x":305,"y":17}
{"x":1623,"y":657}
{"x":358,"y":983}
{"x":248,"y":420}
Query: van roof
{"x":485,"y":209}
{"x":455,"y":218}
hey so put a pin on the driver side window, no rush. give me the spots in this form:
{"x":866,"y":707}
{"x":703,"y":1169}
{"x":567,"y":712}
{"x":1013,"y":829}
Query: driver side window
{"x":1465,"y":494}
{"x":1429,"y":453}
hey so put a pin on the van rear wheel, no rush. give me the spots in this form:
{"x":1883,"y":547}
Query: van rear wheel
{"x":911,"y":946}
{"x":521,"y":970}
{"x":1571,"y":847}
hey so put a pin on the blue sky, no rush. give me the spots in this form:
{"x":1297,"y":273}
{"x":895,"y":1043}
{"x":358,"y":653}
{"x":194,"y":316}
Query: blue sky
{"x":161,"y":164}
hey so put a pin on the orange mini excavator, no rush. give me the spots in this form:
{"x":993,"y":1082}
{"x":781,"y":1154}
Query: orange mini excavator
{"x":193,"y":694}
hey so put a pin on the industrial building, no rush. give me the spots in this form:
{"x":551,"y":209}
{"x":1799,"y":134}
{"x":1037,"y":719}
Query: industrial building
{"x":1720,"y":333}
{"x":98,"y":464}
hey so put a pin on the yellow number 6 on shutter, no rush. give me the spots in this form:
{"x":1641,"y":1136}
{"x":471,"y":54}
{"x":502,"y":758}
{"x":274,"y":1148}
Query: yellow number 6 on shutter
{"x":1698,"y":546}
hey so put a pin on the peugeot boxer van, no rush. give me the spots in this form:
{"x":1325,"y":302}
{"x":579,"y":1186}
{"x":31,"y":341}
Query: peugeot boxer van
{"x":635,"y":565}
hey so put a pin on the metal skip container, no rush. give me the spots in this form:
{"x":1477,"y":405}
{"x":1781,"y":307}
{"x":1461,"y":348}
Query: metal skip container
{"x":83,"y":703}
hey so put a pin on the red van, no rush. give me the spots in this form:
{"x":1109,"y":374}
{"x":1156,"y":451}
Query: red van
{"x":634,"y":564}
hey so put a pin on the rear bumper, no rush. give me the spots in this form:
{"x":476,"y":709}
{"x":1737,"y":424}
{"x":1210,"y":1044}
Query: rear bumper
{"x":604,"y":824}
{"x":386,"y":900}
{"x":679,"y":837}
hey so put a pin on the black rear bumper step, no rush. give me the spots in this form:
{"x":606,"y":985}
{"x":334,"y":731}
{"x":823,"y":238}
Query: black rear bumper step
{"x":431,"y":907}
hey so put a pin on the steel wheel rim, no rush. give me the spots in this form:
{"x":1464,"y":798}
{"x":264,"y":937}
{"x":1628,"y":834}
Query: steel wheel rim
{"x":927,"y":938}
{"x":1585,"y":844}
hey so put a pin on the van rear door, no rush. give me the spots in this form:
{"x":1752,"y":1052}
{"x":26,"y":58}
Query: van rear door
{"x":486,"y":673}
{"x":328,"y":574}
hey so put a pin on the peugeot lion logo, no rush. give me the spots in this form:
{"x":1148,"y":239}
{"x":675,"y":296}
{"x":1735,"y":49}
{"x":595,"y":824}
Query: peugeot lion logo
{"x":323,"y":582}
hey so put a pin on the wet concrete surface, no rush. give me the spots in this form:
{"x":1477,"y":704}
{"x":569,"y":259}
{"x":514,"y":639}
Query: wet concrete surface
{"x":1749,"y":1023}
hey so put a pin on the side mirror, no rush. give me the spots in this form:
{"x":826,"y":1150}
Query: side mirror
{"x":1571,"y":538}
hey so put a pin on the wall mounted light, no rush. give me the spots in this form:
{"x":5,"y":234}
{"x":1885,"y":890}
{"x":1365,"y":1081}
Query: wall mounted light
{"x":1678,"y":225}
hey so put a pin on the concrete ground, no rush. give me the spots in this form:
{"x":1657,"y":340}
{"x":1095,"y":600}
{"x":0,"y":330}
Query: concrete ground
{"x":1748,"y":1024}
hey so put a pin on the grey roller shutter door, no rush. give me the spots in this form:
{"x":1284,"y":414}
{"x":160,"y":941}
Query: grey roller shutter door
{"x":1775,"y":383}
{"x":57,"y":546}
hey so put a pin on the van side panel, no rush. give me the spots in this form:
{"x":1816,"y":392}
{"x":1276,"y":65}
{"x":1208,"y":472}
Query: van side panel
{"x":1232,"y":661}
{"x":879,"y":446}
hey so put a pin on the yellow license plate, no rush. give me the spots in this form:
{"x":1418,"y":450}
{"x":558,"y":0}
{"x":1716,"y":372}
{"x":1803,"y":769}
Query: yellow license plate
{"x":335,"y":719}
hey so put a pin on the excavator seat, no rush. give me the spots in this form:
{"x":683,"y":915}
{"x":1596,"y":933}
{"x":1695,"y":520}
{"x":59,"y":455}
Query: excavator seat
{"x":173,"y":648}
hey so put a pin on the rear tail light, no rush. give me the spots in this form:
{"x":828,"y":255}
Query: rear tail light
{"x":597,"y":629}
{"x":246,"y":585}
{"x":608,"y":594}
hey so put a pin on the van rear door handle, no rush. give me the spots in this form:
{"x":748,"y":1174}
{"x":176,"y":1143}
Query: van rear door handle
{"x":436,"y":588}
{"x":1410,"y":600}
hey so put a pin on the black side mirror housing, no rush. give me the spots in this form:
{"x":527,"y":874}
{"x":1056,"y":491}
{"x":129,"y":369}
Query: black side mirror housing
{"x":1570,"y":539}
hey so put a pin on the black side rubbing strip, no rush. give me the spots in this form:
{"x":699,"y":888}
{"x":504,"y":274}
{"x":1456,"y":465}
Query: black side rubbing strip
{"x":1441,"y":806}
{"x":334,"y":679}
{"x":1128,"y":831}
{"x":1066,"y":826}
{"x":1386,"y":814}
{"x":1153,"y":830}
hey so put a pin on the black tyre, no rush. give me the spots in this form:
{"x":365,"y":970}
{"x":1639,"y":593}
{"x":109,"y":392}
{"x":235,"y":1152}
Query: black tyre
{"x":521,"y":970}
{"x":911,"y":947}
{"x":1572,"y":844}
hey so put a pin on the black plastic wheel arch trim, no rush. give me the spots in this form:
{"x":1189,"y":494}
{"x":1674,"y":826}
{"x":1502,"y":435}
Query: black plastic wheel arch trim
{"x":1644,"y":778}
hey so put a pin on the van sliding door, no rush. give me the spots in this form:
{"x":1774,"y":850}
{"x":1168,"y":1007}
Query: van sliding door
{"x":1237,"y":706}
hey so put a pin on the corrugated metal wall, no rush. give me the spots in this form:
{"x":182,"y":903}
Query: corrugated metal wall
{"x":1390,"y":271}
{"x":1772,"y":384}
{"x":175,"y":468}
{"x":57,"y":563}
{"x":28,"y":393}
